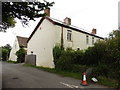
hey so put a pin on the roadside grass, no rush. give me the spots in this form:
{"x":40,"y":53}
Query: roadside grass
{"x":101,"y":80}
{"x":107,"y":82}
{"x":9,"y":61}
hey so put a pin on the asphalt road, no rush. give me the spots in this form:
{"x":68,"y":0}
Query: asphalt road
{"x":0,"y":75}
{"x":19,"y":76}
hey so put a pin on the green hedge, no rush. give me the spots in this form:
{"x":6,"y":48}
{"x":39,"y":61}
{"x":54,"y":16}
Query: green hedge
{"x":21,"y":54}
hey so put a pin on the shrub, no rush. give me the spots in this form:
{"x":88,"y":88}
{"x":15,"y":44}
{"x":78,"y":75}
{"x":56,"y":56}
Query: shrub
{"x":94,"y":55}
{"x":57,"y":50}
{"x":79,"y":68}
{"x":65,"y":59}
{"x":101,"y":70}
{"x":21,"y":55}
{"x":78,"y":57}
{"x":4,"y":54}
{"x":5,"y":51}
{"x":64,"y":62}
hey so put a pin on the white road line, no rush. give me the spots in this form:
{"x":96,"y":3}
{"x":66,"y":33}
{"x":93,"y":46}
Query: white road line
{"x":74,"y":86}
{"x":68,"y":85}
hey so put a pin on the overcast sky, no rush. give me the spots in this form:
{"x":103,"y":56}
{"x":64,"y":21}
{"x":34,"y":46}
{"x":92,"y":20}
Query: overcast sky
{"x":86,"y":14}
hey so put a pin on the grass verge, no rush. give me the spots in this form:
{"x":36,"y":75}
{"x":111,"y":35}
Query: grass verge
{"x":15,"y":62}
{"x":101,"y":80}
{"x":107,"y":82}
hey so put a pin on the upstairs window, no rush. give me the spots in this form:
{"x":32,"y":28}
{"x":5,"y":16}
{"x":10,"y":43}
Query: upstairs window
{"x":69,"y":35}
{"x":92,"y":40}
{"x":87,"y":39}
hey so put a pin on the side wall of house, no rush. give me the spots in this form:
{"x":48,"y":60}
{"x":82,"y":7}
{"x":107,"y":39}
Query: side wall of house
{"x":42,"y":43}
{"x":13,"y":51}
{"x":78,"y":39}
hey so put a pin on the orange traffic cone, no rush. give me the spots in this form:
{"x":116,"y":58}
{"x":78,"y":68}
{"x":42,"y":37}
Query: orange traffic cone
{"x":84,"y":82}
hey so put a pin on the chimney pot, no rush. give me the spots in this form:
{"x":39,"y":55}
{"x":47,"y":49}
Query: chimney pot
{"x":67,"y":21}
{"x":94,"y":31}
{"x":47,"y":11}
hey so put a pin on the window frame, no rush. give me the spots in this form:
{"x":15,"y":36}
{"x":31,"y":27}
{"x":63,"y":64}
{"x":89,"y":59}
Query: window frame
{"x":87,"y":39}
{"x":69,"y":35}
{"x":93,"y":39}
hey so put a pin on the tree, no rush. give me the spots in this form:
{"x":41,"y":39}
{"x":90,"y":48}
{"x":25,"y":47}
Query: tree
{"x":114,"y":34}
{"x":7,"y":46}
{"x":4,"y":54}
{"x":24,"y":11}
{"x":5,"y":51}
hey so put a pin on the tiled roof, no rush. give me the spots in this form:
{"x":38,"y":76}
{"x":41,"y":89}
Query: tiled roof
{"x":60,"y":23}
{"x":22,"y":41}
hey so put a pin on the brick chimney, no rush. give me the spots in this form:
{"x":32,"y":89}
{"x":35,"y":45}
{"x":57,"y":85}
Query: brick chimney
{"x":94,"y":31}
{"x":67,"y":21}
{"x":47,"y":11}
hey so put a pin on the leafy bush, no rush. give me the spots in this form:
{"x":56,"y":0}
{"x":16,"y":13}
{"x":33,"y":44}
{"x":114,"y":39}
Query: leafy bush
{"x":4,"y":54}
{"x":57,"y":51}
{"x":79,"y":68}
{"x":65,"y":61}
{"x":94,"y":55}
{"x":5,"y":51}
{"x":101,"y":70}
{"x":78,"y":57}
{"x":21,"y":55}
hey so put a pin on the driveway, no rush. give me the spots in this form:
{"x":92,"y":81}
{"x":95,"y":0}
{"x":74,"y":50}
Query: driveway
{"x":19,"y":76}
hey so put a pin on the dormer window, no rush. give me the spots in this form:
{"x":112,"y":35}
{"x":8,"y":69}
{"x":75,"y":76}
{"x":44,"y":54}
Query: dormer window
{"x":69,"y":35}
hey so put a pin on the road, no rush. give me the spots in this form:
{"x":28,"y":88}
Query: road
{"x":19,"y":76}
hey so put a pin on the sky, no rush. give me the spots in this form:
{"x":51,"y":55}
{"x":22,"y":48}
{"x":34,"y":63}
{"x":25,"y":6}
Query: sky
{"x":87,"y":14}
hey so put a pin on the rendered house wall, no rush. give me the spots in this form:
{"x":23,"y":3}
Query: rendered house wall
{"x":42,"y":44}
{"x":13,"y":51}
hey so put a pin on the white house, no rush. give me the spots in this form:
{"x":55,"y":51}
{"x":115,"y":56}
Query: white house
{"x":16,"y":46}
{"x":50,"y":32}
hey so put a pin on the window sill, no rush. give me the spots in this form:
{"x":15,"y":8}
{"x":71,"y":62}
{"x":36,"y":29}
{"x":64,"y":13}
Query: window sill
{"x":69,"y":40}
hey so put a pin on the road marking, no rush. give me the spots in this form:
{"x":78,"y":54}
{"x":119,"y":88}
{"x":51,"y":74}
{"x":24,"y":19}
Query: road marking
{"x":68,"y":85}
{"x":74,"y":86}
